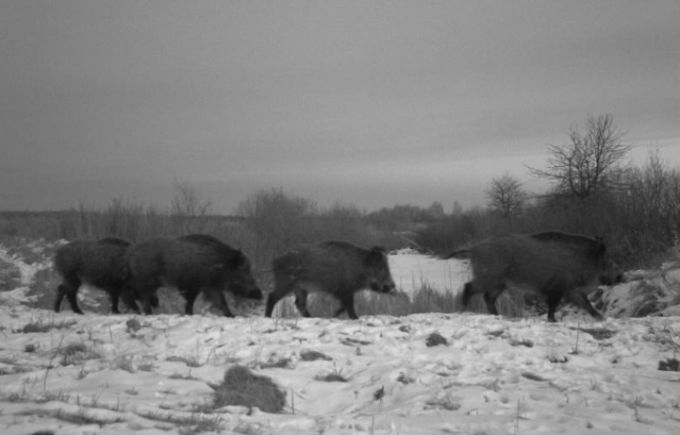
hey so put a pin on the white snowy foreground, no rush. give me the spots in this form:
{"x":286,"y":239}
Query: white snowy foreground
{"x":111,"y":374}
{"x":104,"y":374}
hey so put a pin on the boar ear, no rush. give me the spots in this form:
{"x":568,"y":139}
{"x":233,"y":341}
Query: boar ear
{"x":239,"y":261}
{"x":376,"y":254}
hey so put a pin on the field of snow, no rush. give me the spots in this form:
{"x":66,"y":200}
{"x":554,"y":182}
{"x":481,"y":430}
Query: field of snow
{"x":101,"y":374}
{"x":456,"y":373}
{"x":412,"y":270}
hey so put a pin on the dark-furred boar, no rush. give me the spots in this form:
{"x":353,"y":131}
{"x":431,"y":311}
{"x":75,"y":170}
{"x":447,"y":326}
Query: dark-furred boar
{"x":101,"y":264}
{"x":555,"y":264}
{"x":193,"y":264}
{"x":337,"y":268}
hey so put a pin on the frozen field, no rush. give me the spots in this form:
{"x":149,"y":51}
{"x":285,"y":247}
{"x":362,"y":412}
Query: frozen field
{"x":420,"y":374}
{"x":99,"y":374}
{"x":412,"y":270}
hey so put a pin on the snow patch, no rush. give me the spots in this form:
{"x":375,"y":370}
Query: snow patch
{"x":494,"y":373}
{"x":412,"y":271}
{"x":27,"y":270}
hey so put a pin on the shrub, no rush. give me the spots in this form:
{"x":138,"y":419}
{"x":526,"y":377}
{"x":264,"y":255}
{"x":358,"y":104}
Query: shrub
{"x":10,"y":276}
{"x":331,"y":377}
{"x":133,"y":325}
{"x":435,"y":339}
{"x":241,"y":387}
{"x":40,"y":327}
{"x":312,"y":355}
{"x":670,"y":365}
{"x":75,"y":353}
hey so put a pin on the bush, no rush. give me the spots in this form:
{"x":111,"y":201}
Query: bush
{"x":241,"y":387}
{"x":42,"y":327}
{"x":275,"y":222}
{"x":75,"y":353}
{"x":313,"y":355}
{"x":670,"y":365}
{"x":435,"y":339}
{"x":638,"y":216}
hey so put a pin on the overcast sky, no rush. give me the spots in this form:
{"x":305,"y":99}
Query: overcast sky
{"x":365,"y":102}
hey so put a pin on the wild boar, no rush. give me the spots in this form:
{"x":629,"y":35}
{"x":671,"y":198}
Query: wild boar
{"x":555,"y":264}
{"x":337,"y":268}
{"x":101,"y":264}
{"x":193,"y":264}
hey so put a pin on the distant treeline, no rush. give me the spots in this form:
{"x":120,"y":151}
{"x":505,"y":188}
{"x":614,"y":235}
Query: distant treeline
{"x":638,"y":216}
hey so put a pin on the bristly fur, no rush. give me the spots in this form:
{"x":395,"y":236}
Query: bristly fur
{"x":101,"y":264}
{"x":193,"y":264}
{"x":554,"y":264}
{"x":337,"y":268}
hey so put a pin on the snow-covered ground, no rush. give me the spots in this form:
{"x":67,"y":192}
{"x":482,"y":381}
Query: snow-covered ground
{"x":111,"y":374}
{"x":412,"y":271}
{"x":494,"y":375}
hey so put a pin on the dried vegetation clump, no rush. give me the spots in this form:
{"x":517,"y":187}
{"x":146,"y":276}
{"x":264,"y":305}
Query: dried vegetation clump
{"x":241,"y":387}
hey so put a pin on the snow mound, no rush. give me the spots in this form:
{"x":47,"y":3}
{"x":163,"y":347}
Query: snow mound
{"x":28,"y":260}
{"x":646,"y":292}
{"x":18,"y":296}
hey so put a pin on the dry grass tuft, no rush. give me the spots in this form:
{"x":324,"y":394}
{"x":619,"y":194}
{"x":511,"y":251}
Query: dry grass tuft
{"x":435,"y":339}
{"x":133,"y":325}
{"x":599,"y":333}
{"x":312,"y":355}
{"x":41,"y":327}
{"x":75,"y":353}
{"x":241,"y":387}
{"x":331,"y":377}
{"x":670,"y":365}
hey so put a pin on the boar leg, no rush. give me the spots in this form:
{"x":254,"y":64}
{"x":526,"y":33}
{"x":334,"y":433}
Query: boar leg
{"x":579,"y":298}
{"x":190,"y":297}
{"x":468,"y":291}
{"x":72,"y":297}
{"x":271,"y":301}
{"x":147,"y":303}
{"x":282,"y":288}
{"x":301,"y":302}
{"x":68,"y":288}
{"x":553,"y":299}
{"x":114,"y":295}
{"x":71,"y":292}
{"x":144,"y":288}
{"x":340,"y":310}
{"x":126,"y":295}
{"x":129,"y":299}
{"x":61,"y":292}
{"x":492,"y":290}
{"x":222,"y":303}
{"x":347,"y":301}
{"x":490,"y":300}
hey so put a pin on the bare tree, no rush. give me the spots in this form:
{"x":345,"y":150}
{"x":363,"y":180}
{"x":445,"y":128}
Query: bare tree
{"x":506,"y":195}
{"x":277,"y":219}
{"x":436,"y":210}
{"x":457,"y":209}
{"x":581,"y":167}
{"x":186,"y":201}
